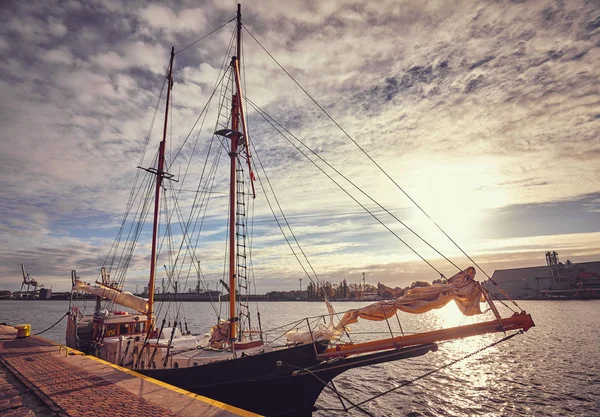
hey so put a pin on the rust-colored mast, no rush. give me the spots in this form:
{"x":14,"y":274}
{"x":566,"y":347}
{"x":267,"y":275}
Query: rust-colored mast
{"x":232,"y":218}
{"x":237,"y":118}
{"x":233,"y":154}
{"x":159,"y":178}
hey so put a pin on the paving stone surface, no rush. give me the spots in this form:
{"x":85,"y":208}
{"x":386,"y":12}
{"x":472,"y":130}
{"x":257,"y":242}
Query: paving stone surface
{"x":16,"y":400}
{"x":78,"y":386}
{"x":72,"y":389}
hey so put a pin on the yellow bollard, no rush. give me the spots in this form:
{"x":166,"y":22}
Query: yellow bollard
{"x":23,"y":330}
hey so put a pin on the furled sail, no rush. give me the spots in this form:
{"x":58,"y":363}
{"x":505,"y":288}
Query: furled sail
{"x":219,"y":335}
{"x":123,"y":298}
{"x":462,"y":288}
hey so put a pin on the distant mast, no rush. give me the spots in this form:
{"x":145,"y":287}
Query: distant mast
{"x":159,"y":177}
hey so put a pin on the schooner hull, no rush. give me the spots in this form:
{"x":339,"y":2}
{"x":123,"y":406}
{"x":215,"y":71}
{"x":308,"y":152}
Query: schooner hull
{"x":284,"y":382}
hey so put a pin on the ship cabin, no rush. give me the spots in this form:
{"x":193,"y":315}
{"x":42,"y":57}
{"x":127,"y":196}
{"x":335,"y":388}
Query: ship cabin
{"x":121,"y":323}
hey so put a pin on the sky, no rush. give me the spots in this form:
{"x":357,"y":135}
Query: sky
{"x":486,"y":113}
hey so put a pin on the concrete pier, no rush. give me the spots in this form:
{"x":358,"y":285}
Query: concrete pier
{"x":39,"y":378}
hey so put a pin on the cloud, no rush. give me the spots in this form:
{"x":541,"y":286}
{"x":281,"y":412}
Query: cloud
{"x":486,"y":114}
{"x":145,"y":55}
{"x":56,"y":28}
{"x":58,"y":56}
{"x":4,"y":45}
{"x":110,"y":60}
{"x":36,"y":28}
{"x":163,"y":19}
{"x":572,"y":215}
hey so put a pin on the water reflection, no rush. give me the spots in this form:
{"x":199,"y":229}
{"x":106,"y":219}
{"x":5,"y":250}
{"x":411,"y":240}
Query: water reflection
{"x":553,"y":369}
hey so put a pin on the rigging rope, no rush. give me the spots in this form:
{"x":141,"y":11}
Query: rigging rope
{"x":202,"y":194}
{"x":218,"y":82}
{"x":144,"y":203}
{"x":251,"y":240}
{"x":284,"y":218}
{"x":186,"y":231}
{"x":334,"y":389}
{"x":196,"y":122}
{"x":349,"y":181}
{"x":380,"y":168}
{"x":348,"y":193}
{"x":134,"y":190}
{"x":447,"y":365}
{"x":205,"y":36}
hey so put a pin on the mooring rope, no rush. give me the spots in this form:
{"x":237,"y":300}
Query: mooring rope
{"x":59,"y":320}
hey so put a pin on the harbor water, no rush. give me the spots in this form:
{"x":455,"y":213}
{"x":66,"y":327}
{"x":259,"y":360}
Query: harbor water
{"x":553,"y":369}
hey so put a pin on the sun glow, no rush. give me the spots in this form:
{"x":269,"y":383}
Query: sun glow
{"x":450,"y":316}
{"x":456,"y":195}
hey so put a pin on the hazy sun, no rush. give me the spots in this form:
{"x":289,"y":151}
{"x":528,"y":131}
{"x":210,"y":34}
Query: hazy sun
{"x":456,"y":195}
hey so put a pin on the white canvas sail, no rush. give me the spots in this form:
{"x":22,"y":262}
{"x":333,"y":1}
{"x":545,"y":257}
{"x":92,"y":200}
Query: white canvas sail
{"x":123,"y":298}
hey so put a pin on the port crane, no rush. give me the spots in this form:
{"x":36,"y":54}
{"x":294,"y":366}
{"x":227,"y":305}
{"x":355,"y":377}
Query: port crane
{"x":28,"y":282}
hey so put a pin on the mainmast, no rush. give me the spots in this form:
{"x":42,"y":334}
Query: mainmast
{"x":237,"y":116}
{"x":160,"y":174}
{"x":235,"y":136}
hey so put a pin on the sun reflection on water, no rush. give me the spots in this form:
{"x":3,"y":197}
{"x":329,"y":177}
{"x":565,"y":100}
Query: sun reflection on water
{"x":475,"y":370}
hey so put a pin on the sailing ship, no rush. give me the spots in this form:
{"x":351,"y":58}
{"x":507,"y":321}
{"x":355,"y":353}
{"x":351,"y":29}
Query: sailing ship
{"x":234,"y":362}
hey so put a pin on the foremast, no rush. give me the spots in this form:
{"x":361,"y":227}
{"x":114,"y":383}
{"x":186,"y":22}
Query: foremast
{"x":160,"y":174}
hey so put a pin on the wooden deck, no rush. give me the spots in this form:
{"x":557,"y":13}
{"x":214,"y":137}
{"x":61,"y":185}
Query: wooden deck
{"x":39,"y":378}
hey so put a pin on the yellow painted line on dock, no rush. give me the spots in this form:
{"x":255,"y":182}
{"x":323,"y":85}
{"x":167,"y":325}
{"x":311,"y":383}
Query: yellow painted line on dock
{"x":210,"y":401}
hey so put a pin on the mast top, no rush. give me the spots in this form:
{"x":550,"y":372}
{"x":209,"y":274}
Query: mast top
{"x":239,"y":31}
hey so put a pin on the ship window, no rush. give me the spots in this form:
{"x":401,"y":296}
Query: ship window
{"x":124,"y":328}
{"x":175,"y":365}
{"x":111,"y":330}
{"x":140,"y":327}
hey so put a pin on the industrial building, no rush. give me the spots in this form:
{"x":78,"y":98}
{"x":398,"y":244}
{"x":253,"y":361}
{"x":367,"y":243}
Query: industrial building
{"x":555,"y":280}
